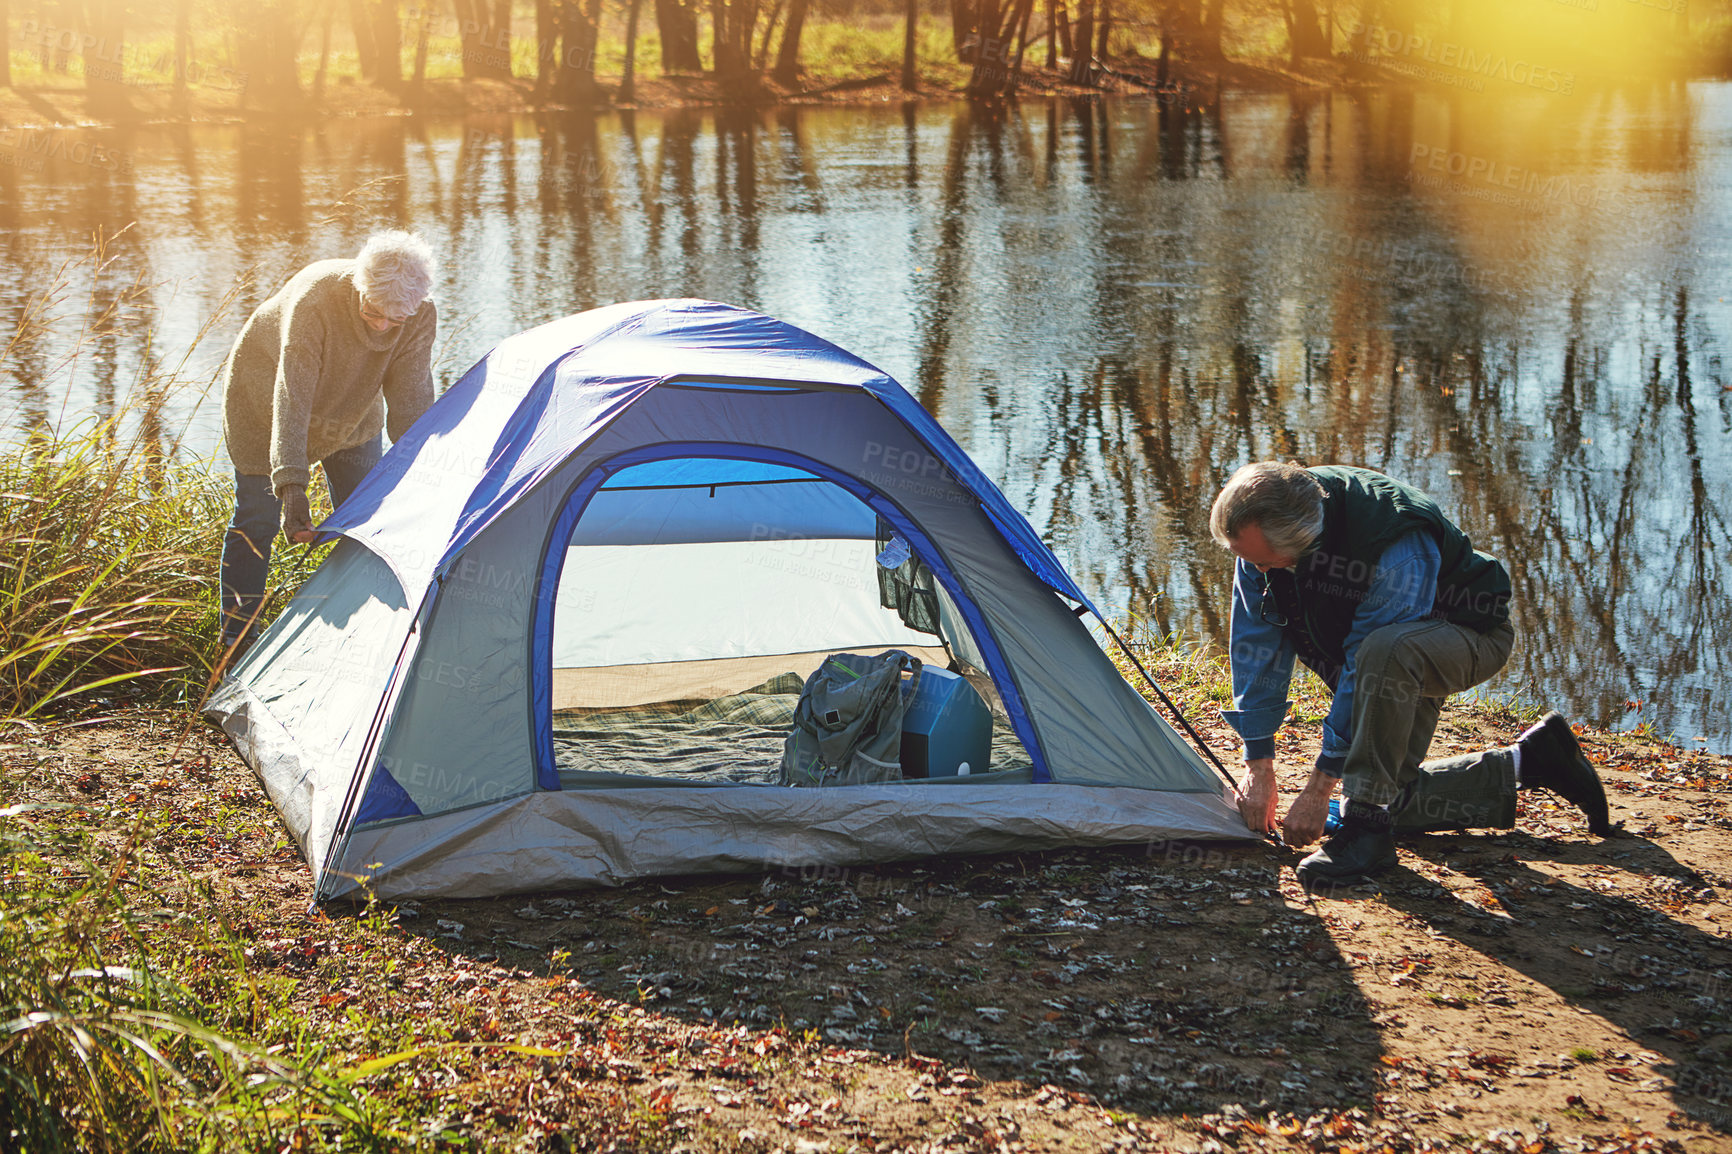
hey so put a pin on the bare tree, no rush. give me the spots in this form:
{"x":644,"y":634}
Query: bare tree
{"x":579,"y":25}
{"x":787,"y":72}
{"x":910,"y":31}
{"x":377,"y":41}
{"x":423,"y":30}
{"x":992,"y":50}
{"x":677,"y":22}
{"x":182,"y":44}
{"x":731,"y":25}
{"x":1305,"y":34}
{"x":546,"y":47}
{"x":962,"y":25}
{"x":761,"y":61}
{"x":1082,"y":38}
{"x":1208,"y":41}
{"x":103,"y":46}
{"x":266,"y":39}
{"x":485,"y":27}
{"x":628,"y":79}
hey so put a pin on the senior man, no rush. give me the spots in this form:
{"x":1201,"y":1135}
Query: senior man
{"x":1366,"y":581}
{"x":341,"y":352}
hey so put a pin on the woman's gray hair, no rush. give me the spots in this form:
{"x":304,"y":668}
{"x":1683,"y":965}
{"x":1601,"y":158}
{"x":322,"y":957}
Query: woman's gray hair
{"x":1283,"y":500}
{"x":394,"y":271}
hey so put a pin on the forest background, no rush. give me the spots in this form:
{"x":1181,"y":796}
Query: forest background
{"x":166,"y":59}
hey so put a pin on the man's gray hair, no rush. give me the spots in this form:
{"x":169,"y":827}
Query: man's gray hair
{"x":1284,"y":501}
{"x":394,"y":271}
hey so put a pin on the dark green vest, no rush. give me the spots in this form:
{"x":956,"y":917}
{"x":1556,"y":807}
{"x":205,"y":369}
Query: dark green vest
{"x":1364,"y":514}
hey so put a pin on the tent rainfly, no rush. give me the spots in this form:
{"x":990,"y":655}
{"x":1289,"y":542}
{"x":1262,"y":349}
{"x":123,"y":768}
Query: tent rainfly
{"x":567,"y":617}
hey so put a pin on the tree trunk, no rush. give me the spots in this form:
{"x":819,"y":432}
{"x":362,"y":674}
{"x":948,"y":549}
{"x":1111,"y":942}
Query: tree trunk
{"x":486,"y":44}
{"x":677,"y":22}
{"x":1105,"y":32}
{"x":1052,"y":33}
{"x":1304,"y":30}
{"x":720,"y":52}
{"x":576,"y":82}
{"x":182,"y":43}
{"x":104,"y":52}
{"x":546,"y":48}
{"x":265,"y":52}
{"x":742,"y":19}
{"x":1209,"y":40}
{"x":468,"y":24}
{"x":910,"y":30}
{"x":366,"y":51}
{"x":761,"y":58}
{"x":995,"y":71}
{"x":501,"y":24}
{"x":387,"y":39}
{"x":628,"y":78}
{"x":423,"y":30}
{"x":324,"y":48}
{"x":787,"y":72}
{"x":962,"y":28}
{"x":1062,"y":14}
{"x":1082,"y":65}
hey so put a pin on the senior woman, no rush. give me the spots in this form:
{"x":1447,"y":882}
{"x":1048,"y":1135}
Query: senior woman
{"x":342,"y":352}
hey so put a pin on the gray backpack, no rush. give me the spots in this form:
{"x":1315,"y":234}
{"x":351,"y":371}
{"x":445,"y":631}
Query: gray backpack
{"x":848,"y":724}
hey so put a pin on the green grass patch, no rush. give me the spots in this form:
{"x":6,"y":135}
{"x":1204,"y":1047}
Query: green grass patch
{"x":110,"y":1042}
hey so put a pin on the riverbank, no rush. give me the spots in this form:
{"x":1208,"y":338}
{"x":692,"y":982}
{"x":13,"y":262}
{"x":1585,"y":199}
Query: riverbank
{"x":1534,"y":989}
{"x":1186,"y":84}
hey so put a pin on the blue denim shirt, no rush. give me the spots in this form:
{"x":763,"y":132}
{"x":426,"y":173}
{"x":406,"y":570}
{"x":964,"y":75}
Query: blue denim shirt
{"x":1404,"y":588}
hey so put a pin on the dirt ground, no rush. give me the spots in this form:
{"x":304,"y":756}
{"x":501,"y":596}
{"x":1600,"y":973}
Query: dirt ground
{"x":1529,"y":990}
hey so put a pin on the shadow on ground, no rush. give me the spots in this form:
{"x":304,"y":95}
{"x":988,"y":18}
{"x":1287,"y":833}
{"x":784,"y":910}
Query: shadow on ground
{"x":1653,"y":977}
{"x":1172,"y":978}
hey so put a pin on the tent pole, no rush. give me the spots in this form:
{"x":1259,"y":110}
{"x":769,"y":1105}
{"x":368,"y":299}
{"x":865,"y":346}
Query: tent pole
{"x":1167,"y":701}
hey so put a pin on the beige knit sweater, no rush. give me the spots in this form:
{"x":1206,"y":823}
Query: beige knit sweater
{"x":307,"y":377}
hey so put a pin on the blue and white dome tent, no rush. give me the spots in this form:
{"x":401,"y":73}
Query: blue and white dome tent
{"x":568,"y":615}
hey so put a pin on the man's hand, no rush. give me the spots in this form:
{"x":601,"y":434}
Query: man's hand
{"x":297,"y":514}
{"x":1305,"y":817}
{"x":1257,"y":802}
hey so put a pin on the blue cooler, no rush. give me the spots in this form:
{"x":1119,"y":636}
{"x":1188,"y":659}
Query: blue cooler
{"x":947,"y":731}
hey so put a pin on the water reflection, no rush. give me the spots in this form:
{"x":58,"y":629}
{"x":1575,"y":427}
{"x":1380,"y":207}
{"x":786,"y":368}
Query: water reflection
{"x":1514,"y":305}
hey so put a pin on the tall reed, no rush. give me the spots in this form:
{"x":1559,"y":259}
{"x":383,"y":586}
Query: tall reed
{"x":108,"y":538}
{"x":107,"y":572}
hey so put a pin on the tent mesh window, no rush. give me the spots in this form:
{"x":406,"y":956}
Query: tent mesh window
{"x":695,"y":598}
{"x":905,"y":584}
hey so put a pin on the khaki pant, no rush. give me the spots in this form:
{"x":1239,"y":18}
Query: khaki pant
{"x":1403,"y":673}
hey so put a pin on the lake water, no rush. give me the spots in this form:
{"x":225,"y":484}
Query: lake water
{"x":1518,"y":304}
